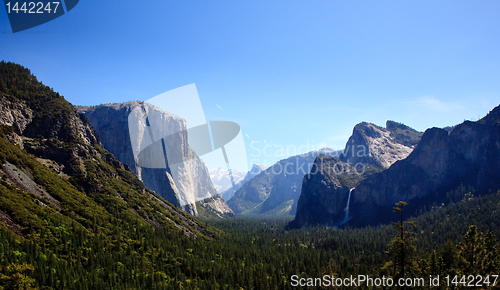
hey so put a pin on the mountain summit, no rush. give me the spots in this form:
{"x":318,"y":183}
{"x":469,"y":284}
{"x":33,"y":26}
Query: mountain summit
{"x":379,"y":146}
{"x":223,"y":179}
{"x":327,"y":187}
{"x":441,"y":162}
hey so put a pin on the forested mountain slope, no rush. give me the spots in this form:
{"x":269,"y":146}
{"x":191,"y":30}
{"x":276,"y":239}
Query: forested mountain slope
{"x":79,"y":209}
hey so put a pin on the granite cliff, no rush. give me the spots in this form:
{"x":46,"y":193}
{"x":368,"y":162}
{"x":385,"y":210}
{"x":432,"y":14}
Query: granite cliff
{"x":214,"y":207}
{"x":442,"y":161}
{"x":371,"y":144}
{"x":181,"y":178}
{"x":370,"y":149}
{"x":325,"y":191}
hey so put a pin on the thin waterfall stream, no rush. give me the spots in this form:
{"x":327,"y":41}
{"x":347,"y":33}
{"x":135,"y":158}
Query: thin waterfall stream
{"x":346,"y":216}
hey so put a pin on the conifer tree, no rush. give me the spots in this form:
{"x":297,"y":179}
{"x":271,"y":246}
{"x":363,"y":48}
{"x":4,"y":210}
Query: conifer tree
{"x":490,"y":263}
{"x":470,"y":250}
{"x":402,"y":248}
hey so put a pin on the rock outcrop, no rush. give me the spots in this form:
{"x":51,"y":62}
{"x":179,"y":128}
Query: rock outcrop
{"x":214,"y":206}
{"x":442,"y":161}
{"x":325,"y":190}
{"x":184,"y":178}
{"x":371,"y":144}
{"x":369,"y":150}
{"x":52,"y":158}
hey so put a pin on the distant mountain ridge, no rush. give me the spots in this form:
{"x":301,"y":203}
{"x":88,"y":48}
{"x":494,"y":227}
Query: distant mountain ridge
{"x":223,"y":179}
{"x":275,"y":191}
{"x":256,"y":170}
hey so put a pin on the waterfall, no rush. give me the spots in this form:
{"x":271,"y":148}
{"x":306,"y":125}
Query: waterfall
{"x":346,"y":216}
{"x":347,"y":206}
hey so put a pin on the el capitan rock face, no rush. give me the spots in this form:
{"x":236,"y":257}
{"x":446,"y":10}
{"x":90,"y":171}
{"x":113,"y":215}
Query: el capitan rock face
{"x":181,"y":183}
{"x":53,"y":154}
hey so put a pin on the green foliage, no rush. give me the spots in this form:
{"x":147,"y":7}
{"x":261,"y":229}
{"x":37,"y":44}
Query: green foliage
{"x":403,"y":134}
{"x":474,"y":255}
{"x":95,"y":239}
{"x":470,"y":250}
{"x":17,"y":277}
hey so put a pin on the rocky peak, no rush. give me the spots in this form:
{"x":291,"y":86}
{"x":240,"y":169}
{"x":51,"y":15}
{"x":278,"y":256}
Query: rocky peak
{"x":371,"y":144}
{"x":370,"y":149}
{"x":214,"y":206}
{"x":44,"y":122}
{"x":223,"y":179}
{"x":403,"y":134}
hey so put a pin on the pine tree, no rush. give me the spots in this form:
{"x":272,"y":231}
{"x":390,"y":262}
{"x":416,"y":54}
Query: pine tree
{"x":402,"y":248}
{"x":449,"y":258}
{"x":490,"y":263}
{"x":17,"y":277}
{"x":470,"y":250}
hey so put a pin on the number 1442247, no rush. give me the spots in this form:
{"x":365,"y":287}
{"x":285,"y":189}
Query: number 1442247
{"x":32,"y":7}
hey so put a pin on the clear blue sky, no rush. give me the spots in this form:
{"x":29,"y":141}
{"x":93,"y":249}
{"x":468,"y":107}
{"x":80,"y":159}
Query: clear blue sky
{"x":289,"y":72}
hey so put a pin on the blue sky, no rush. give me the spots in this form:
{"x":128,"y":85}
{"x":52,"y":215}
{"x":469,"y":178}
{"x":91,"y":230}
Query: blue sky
{"x":291,"y":73}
